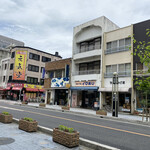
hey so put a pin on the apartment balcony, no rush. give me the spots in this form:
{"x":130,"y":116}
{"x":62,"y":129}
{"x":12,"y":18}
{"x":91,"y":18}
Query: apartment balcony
{"x":88,"y":75}
{"x":86,"y":72}
{"x":120,"y":74}
{"x":86,"y":54}
{"x":141,"y":73}
{"x":117,"y":49}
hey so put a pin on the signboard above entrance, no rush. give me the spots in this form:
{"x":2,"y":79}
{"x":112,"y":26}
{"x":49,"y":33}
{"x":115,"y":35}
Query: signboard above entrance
{"x":85,"y":83}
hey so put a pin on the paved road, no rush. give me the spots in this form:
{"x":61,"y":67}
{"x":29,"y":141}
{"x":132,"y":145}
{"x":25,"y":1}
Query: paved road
{"x":121,"y":135}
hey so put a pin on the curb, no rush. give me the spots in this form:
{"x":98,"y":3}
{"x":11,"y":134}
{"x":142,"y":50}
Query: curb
{"x":99,"y":116}
{"x":82,"y":141}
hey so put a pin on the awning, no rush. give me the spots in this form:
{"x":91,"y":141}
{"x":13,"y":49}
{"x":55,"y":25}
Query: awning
{"x":32,"y":90}
{"x":8,"y":88}
{"x":95,"y":88}
{"x":41,"y":90}
{"x":17,"y":88}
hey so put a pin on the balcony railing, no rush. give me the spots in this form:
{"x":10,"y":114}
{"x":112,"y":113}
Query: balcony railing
{"x":141,"y":73}
{"x":120,"y":74}
{"x":85,"y":50}
{"x":117,"y":49}
{"x":86,"y":72}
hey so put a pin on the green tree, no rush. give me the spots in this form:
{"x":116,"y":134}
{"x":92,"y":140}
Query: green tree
{"x":142,"y":50}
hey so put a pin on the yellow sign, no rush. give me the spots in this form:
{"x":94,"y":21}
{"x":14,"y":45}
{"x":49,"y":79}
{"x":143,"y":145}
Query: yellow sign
{"x":20,"y":65}
{"x":33,"y":86}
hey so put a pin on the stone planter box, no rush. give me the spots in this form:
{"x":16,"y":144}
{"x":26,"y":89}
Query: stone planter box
{"x":6,"y":118}
{"x":42,"y":104}
{"x":101,"y":113}
{"x":65,"y":138}
{"x":28,"y":126}
{"x":65,"y":107}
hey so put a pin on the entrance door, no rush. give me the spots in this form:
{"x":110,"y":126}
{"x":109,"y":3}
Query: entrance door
{"x":48,"y":97}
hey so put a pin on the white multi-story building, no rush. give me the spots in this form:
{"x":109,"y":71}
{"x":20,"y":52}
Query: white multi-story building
{"x":4,"y":70}
{"x":87,"y":61}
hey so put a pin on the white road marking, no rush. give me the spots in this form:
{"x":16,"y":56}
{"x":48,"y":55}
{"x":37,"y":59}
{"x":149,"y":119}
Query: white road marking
{"x":11,"y":108}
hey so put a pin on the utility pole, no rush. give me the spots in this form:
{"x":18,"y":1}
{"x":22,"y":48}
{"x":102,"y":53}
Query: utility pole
{"x":115,"y":94}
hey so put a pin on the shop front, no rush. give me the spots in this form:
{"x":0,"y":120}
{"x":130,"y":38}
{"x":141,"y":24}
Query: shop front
{"x":34,"y":92}
{"x":14,"y":91}
{"x":124,"y":101}
{"x":85,"y":94}
{"x":124,"y":93}
{"x":59,"y":91}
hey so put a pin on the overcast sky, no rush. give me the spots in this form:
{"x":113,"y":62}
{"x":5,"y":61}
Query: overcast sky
{"x":47,"y":25}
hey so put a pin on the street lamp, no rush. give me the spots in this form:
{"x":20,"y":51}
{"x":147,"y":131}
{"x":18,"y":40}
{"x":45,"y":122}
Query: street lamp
{"x":115,"y":94}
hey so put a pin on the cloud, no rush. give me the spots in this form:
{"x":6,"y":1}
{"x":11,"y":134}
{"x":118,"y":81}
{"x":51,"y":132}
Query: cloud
{"x":48,"y":25}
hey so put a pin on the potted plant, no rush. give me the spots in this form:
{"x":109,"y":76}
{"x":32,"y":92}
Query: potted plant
{"x":28,"y":124}
{"x":6,"y":117}
{"x":101,"y":112}
{"x":66,"y":136}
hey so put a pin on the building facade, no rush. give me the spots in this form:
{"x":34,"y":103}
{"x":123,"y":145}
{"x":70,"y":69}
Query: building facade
{"x":57,"y":82}
{"x":26,"y":72}
{"x":139,"y":31}
{"x":87,"y":62}
{"x":117,"y":58}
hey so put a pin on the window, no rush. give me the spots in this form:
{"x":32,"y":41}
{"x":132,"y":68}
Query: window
{"x":10,"y":78}
{"x":41,"y":81}
{"x":3,"y":78}
{"x":34,"y":56}
{"x":5,"y":66}
{"x":122,"y":69}
{"x":118,"y":46}
{"x":128,"y":41}
{"x":42,"y":69}
{"x":12,"y":54}
{"x":89,"y":68}
{"x":114,"y":68}
{"x":45,"y":59}
{"x":51,"y":74}
{"x":98,"y":43}
{"x":108,"y":69}
{"x":32,"y":80}
{"x":11,"y":66}
{"x":58,"y":74}
{"x":90,"y":45}
{"x":33,"y":68}
{"x":139,"y":66}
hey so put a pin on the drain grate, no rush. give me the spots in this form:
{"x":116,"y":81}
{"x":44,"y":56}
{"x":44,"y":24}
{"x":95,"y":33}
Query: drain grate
{"x":5,"y":140}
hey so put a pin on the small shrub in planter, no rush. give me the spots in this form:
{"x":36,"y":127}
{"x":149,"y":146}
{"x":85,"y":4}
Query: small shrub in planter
{"x":5,"y":117}
{"x":101,"y":112}
{"x":66,"y":136}
{"x":42,"y":104}
{"x":24,"y":102}
{"x":28,"y":124}
{"x":65,"y":107}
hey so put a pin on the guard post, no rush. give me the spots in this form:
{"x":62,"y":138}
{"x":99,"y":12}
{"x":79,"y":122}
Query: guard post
{"x":115,"y":94}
